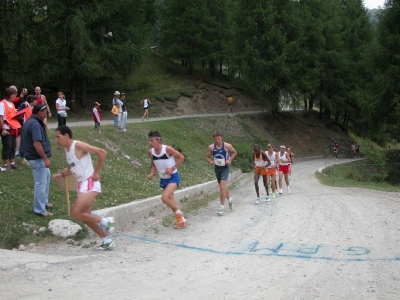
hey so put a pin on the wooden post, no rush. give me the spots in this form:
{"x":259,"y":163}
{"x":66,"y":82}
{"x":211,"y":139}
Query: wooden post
{"x":67,"y":195}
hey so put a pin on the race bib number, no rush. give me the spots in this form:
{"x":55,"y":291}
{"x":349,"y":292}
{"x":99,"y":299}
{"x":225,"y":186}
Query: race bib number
{"x":260,"y":163}
{"x":219,"y":162}
{"x":163,"y":175}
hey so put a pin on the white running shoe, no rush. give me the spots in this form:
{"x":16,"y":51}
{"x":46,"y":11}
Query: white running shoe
{"x":220,"y":211}
{"x":230,"y":203}
{"x":288,"y":191}
{"x":258,"y":200}
{"x":267,"y":199}
{"x":280,"y":191}
{"x":105,"y":246}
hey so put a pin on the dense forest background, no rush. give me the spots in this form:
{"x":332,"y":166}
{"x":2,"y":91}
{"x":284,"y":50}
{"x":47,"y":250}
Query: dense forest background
{"x":330,"y":55}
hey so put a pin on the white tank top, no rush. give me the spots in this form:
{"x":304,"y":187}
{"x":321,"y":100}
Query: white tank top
{"x":82,"y":169}
{"x":162,"y":161}
{"x":145,"y":103}
{"x":272,"y":159}
{"x":283,"y":157}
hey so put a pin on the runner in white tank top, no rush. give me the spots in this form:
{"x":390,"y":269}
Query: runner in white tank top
{"x":272,"y":169}
{"x":284,"y":169}
{"x":163,"y":161}
{"x":80,"y":166}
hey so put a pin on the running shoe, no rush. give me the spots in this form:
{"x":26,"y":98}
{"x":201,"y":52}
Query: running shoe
{"x":267,"y":199}
{"x":8,"y":167}
{"x":180,"y":221}
{"x":2,"y":169}
{"x":273,"y":195}
{"x":109,"y":228}
{"x":280,"y":191}
{"x":288,"y":191}
{"x":258,"y":200}
{"x":230,"y":203}
{"x":105,"y":246}
{"x":220,"y":211}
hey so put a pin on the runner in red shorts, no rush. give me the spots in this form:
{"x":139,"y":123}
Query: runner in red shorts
{"x":284,"y":169}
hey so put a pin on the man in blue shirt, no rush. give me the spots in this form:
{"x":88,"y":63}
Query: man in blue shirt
{"x":35,"y":148}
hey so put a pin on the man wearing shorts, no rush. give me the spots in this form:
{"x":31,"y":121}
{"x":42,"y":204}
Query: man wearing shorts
{"x":284,"y":161}
{"x":163,"y":161}
{"x":261,"y":163}
{"x":223,"y":154}
{"x":271,"y":170}
{"x":88,"y":178}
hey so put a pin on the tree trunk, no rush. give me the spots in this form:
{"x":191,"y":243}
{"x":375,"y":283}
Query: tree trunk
{"x":73,"y":95}
{"x":83,"y":92}
{"x":212,"y":67}
{"x":220,"y":66}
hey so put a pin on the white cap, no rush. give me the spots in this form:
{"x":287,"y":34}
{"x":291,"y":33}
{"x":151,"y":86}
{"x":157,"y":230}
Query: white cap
{"x":116,"y":93}
{"x":283,"y":147}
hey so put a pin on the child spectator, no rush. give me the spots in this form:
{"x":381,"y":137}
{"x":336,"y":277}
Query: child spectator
{"x":96,"y":116}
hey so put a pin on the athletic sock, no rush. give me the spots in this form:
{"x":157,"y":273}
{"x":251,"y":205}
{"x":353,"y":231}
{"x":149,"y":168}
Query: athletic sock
{"x":178,"y":212}
{"x":107,"y":240}
{"x":104,"y":221}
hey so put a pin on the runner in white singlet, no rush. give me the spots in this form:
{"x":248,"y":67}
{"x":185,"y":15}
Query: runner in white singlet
{"x":88,"y":178}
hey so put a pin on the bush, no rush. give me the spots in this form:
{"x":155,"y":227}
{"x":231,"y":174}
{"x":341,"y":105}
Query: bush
{"x":244,"y":158}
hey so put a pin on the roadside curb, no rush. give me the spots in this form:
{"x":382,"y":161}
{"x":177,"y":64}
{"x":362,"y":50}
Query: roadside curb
{"x":128,"y":213}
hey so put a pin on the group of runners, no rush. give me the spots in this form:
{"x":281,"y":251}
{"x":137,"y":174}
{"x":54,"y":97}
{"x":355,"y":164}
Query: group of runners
{"x":268,"y":164}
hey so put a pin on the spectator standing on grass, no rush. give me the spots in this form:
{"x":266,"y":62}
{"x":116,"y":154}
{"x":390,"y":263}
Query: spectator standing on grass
{"x":80,"y":165}
{"x":9,"y":129}
{"x":27,"y":107}
{"x":96,"y":116}
{"x":17,"y":102}
{"x":124,"y":116}
{"x":223,"y":154}
{"x":35,"y":148}
{"x":163,"y":161}
{"x":261,"y":163}
{"x":284,"y":161}
{"x":61,"y":108}
{"x":115,"y":110}
{"x":41,"y":99}
{"x":146,"y":103}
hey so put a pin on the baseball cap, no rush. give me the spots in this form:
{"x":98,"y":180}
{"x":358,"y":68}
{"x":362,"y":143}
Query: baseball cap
{"x":38,"y":108}
{"x":122,"y":94}
{"x":96,"y":103}
{"x":282,"y":147}
{"x":116,"y":93}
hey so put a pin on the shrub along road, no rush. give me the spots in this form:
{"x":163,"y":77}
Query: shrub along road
{"x":318,"y":242}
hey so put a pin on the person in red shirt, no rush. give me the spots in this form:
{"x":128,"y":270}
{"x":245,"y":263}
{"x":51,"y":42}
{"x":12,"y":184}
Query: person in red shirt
{"x":9,"y":129}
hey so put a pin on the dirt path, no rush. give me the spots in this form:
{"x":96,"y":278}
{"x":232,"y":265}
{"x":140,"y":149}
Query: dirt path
{"x":109,"y":121}
{"x":318,"y":242}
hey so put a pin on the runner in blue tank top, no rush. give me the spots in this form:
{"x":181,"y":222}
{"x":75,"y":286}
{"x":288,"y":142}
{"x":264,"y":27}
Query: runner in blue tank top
{"x":163,"y":162}
{"x":223,"y":154}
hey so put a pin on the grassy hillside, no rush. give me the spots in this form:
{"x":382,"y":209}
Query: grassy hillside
{"x":124,"y":176}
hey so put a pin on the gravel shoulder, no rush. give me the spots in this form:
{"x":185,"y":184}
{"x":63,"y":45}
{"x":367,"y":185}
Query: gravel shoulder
{"x":318,"y":242}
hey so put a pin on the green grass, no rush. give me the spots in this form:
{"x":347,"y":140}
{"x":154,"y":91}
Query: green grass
{"x":124,"y":175}
{"x":357,"y":174}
